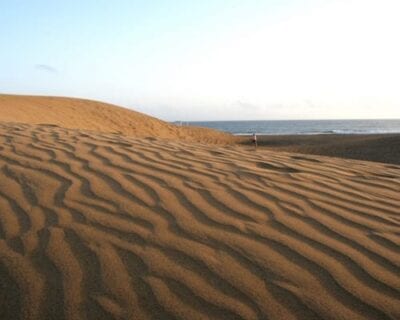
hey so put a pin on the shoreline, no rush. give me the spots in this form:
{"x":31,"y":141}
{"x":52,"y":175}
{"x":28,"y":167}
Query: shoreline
{"x":314,"y":134}
{"x":383,"y":148}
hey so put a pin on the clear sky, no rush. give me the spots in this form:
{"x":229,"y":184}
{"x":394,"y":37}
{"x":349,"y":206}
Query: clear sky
{"x":209,"y":59}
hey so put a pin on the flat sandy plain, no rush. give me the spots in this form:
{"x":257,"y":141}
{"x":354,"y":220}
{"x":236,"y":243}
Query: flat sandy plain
{"x":371,"y":147}
{"x":106,"y":225}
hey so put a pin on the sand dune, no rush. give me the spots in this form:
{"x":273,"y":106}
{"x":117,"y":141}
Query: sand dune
{"x":99,"y":116}
{"x":103,"y":226}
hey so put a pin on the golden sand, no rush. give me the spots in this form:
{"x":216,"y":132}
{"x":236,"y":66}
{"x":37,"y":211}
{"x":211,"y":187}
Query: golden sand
{"x":99,"y":116}
{"x":106,"y":226}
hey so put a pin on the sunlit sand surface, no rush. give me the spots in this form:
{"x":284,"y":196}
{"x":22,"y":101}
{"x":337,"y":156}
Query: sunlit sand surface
{"x":100,"y":225}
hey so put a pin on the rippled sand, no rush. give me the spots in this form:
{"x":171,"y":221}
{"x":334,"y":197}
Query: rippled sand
{"x":104,"y":226}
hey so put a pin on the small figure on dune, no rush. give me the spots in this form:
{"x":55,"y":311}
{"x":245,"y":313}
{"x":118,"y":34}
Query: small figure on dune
{"x":254,"y":140}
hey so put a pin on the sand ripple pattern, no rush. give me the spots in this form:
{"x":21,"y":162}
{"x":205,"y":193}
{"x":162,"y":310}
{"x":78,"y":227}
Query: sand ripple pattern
{"x":101,"y":226}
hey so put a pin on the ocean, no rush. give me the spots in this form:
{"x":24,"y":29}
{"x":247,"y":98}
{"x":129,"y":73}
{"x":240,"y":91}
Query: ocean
{"x":289,"y":127}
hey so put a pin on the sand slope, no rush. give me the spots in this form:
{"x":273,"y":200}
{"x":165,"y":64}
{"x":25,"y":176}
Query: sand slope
{"x":99,"y":116}
{"x":101,"y":226}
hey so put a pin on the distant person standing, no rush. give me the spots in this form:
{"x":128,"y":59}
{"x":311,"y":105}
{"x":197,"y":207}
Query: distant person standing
{"x":254,"y":140}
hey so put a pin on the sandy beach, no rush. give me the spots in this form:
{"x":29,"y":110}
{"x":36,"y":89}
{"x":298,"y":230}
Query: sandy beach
{"x":370,"y":147}
{"x":110,"y":214}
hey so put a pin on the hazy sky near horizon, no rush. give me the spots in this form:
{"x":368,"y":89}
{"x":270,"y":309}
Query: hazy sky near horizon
{"x":209,"y":59}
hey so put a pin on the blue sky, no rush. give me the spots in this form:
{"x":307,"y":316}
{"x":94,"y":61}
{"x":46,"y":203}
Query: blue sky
{"x":211,"y":59}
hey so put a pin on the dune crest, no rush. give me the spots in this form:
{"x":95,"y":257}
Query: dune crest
{"x":85,"y":114}
{"x":102,"y":226}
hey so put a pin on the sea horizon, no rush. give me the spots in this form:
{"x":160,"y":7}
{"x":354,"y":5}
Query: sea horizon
{"x":301,"y":127}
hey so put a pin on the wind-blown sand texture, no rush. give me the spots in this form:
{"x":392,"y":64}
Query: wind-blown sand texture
{"x":99,"y":116}
{"x":102,"y":226}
